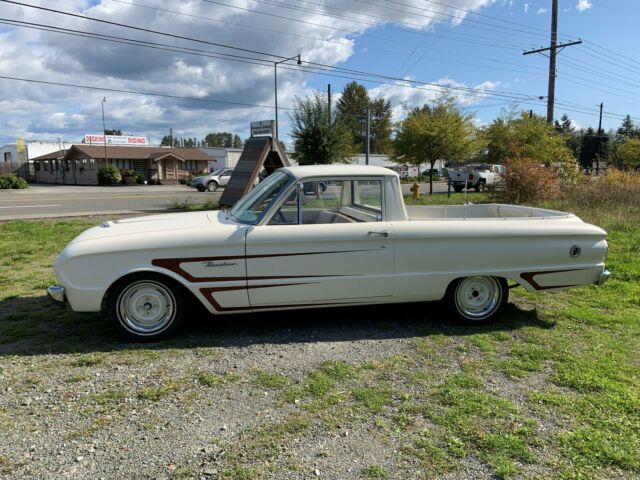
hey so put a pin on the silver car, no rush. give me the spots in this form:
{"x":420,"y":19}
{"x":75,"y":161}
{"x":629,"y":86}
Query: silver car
{"x":211,"y":182}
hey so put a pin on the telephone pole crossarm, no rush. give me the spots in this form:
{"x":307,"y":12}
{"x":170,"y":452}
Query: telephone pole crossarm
{"x":557,"y":47}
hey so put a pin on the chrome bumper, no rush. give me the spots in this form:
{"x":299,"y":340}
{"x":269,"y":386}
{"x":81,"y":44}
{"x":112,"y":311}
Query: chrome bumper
{"x":56,"y":293}
{"x":604,"y":276}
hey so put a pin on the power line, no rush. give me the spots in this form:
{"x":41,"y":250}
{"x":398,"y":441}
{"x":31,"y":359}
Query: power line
{"x":350,"y":32}
{"x":411,"y":30}
{"x":311,"y":65}
{"x":140,"y":29}
{"x":133,"y":92}
{"x":453,"y":17}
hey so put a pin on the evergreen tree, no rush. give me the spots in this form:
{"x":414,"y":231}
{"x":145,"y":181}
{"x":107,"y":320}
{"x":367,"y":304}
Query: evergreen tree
{"x":352,"y":110}
{"x":627,"y":129}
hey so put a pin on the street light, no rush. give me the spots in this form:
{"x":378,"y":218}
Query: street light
{"x":275,"y":82}
{"x":104,"y":131}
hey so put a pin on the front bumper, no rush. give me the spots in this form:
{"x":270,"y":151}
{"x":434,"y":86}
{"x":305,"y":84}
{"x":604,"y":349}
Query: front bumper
{"x":56,"y":293}
{"x":604,"y":276}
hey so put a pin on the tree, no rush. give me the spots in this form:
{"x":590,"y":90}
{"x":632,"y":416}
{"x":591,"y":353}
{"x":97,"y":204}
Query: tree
{"x":627,"y":129}
{"x":589,"y":148}
{"x":568,"y":132}
{"x":166,"y":141}
{"x":318,"y":138}
{"x":629,"y":152}
{"x":352,"y":112}
{"x":113,"y":131}
{"x":223,"y":139}
{"x":431,"y":133}
{"x":514,"y":136}
{"x":381,"y":126}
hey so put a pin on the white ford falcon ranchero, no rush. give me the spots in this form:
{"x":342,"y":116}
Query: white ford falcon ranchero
{"x":322,"y":236}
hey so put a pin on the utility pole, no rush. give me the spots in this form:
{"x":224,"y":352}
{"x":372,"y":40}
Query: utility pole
{"x":599,"y":140}
{"x":329,"y":101}
{"x":104,"y":131}
{"x":170,"y":137}
{"x":367,"y":140}
{"x":275,"y":84}
{"x":553,"y":50}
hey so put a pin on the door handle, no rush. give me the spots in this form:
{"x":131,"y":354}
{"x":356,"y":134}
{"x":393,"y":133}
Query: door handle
{"x":382,"y":233}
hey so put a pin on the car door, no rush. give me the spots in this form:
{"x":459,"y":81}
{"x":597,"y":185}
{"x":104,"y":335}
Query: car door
{"x":338,"y":255}
{"x":224,"y":177}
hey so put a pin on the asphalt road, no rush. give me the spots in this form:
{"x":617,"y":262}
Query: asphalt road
{"x":41,"y":201}
{"x":44,"y":201}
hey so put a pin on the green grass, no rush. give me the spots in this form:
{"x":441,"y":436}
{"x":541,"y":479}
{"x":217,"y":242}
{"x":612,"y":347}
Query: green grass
{"x":550,"y":391}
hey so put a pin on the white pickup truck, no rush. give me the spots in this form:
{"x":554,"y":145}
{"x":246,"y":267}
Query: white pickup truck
{"x":478,"y":177}
{"x":354,"y":244}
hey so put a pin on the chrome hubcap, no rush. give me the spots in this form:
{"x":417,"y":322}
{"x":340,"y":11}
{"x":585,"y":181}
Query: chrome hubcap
{"x":478,"y":297}
{"x":146,"y":307}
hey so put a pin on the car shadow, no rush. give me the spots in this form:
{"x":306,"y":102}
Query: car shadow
{"x":34,"y":326}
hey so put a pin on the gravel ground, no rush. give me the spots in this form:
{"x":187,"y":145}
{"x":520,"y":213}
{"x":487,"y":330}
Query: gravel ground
{"x":196,"y":406}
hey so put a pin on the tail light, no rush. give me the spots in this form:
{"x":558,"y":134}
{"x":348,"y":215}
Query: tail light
{"x":471,"y":176}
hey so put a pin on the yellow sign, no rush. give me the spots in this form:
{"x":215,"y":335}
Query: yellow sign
{"x":20,"y":145}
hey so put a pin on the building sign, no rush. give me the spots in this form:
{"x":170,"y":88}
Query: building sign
{"x":263,"y":127}
{"x":116,"y":140}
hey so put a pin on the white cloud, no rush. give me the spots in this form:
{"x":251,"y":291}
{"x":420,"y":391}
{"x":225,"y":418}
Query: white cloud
{"x":542,"y":11}
{"x":526,"y":8}
{"x":46,"y":111}
{"x":583,"y":5}
{"x":403,"y":96}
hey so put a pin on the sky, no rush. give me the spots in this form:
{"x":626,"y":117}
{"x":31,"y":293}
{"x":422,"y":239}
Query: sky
{"x":473,"y":48}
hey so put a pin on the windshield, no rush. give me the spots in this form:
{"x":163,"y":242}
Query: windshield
{"x":217,"y":172}
{"x":254,"y":204}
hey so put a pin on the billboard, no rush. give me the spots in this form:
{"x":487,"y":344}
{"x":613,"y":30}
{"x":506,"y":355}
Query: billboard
{"x":116,"y":140}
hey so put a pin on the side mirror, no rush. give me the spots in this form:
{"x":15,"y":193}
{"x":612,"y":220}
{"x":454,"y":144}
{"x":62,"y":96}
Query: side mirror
{"x":299,"y":188}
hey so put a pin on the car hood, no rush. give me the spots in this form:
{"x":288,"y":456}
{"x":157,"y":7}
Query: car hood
{"x":149,"y":226}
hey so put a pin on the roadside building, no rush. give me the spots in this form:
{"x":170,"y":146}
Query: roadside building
{"x":79,"y":164}
{"x":403,"y":169}
{"x":224,"y":157}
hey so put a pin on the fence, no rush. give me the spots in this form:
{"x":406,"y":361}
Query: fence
{"x":17,"y":168}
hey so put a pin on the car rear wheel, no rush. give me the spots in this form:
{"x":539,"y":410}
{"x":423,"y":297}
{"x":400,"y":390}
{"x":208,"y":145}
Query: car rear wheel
{"x":212,"y":186}
{"x":201,"y":188}
{"x":476,"y":299}
{"x":146,"y":307}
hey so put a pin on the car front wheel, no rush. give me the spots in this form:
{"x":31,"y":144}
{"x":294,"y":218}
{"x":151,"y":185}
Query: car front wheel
{"x":476,"y":299}
{"x":212,"y":186}
{"x":146,"y":307}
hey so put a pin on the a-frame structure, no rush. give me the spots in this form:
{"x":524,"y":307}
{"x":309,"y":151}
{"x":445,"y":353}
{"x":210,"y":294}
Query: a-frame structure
{"x":259,"y":152}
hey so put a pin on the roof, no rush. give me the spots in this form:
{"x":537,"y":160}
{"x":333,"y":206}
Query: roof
{"x":340,"y":170}
{"x":137,"y":153}
{"x":50,"y":156}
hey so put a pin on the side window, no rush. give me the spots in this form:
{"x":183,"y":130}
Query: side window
{"x":287,"y":214}
{"x":367,"y":194}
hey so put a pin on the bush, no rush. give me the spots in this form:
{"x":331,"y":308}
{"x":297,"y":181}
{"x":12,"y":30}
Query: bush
{"x":614,"y":189}
{"x":526,"y":181}
{"x":109,"y":175}
{"x":139,"y":178}
{"x":12,"y":181}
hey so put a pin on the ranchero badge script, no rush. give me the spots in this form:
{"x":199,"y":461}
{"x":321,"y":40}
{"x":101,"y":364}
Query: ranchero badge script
{"x":219,"y":264}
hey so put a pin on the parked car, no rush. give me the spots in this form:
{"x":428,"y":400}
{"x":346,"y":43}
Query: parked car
{"x":478,"y":177}
{"x":211,"y":182}
{"x":357,"y":244}
{"x":314,"y":188}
